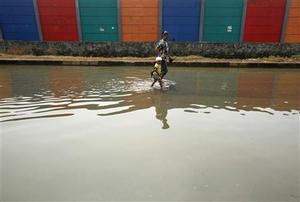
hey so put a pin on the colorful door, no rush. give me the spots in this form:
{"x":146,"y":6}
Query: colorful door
{"x":264,"y":20}
{"x":140,"y":20}
{"x":292,"y":34}
{"x":99,"y":20}
{"x":58,"y":20}
{"x":222,"y":20}
{"x":18,"y":20}
{"x":182,"y":19}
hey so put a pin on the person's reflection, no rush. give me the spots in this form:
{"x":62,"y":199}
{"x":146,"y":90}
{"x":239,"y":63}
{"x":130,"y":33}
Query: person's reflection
{"x":160,"y":102}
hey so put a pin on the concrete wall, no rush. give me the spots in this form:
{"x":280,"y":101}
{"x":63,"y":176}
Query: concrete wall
{"x":114,"y":49}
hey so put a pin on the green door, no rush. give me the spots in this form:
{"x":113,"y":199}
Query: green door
{"x":99,"y":20}
{"x":222,"y":20}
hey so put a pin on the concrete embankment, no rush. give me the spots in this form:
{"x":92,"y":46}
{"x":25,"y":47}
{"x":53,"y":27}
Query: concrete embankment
{"x":185,"y":61}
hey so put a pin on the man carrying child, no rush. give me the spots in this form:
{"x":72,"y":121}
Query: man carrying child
{"x":162,"y":49}
{"x":162,"y":60}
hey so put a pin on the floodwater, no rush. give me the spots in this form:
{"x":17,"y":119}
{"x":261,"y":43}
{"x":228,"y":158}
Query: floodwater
{"x":101,"y":133}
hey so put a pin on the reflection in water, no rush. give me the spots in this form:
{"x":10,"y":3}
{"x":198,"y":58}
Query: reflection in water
{"x":159,"y":100}
{"x":28,"y":93}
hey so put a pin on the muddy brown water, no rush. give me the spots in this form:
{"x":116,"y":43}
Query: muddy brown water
{"x":102,"y":133}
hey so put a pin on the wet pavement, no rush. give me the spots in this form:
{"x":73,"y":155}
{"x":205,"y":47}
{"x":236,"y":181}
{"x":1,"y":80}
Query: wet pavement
{"x":102,"y":133}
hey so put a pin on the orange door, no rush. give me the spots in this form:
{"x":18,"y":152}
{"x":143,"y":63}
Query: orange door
{"x":292,"y":34}
{"x":140,"y":20}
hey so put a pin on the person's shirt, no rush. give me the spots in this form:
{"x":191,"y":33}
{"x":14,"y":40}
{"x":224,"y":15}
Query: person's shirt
{"x":163,"y":49}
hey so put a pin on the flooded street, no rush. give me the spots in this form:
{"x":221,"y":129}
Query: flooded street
{"x":102,"y":133}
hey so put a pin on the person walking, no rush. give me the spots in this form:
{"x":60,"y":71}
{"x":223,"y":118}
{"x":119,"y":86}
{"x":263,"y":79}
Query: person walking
{"x":162,"y":49}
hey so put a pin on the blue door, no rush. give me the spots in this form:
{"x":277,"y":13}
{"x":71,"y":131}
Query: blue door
{"x":181,"y":18}
{"x":17,"y":20}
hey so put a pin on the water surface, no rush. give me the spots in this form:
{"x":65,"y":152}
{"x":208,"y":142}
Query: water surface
{"x":102,"y":133}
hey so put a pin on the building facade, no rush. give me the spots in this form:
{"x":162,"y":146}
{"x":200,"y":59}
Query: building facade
{"x":230,"y":21}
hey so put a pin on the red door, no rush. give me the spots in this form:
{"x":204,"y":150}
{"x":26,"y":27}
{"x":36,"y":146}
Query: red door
{"x":58,"y":20}
{"x":264,"y":20}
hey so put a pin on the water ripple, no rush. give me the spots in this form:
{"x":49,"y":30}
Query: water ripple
{"x":112,"y":98}
{"x":126,"y":94}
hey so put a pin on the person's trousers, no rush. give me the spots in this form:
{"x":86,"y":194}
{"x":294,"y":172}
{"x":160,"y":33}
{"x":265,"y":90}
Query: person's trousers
{"x":164,"y":68}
